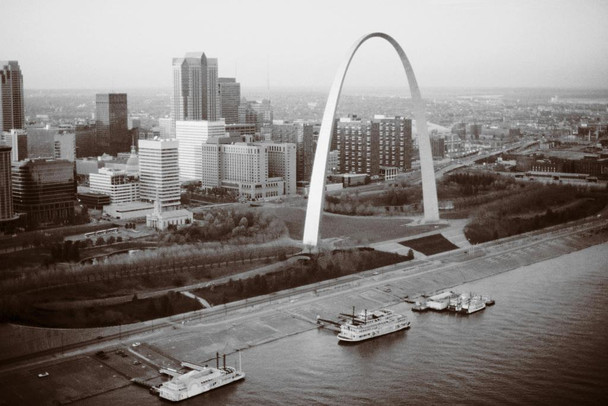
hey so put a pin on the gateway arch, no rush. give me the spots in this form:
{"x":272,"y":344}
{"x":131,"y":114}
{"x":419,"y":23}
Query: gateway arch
{"x":316,"y":195}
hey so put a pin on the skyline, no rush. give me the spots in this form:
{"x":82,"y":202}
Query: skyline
{"x":467,"y":43}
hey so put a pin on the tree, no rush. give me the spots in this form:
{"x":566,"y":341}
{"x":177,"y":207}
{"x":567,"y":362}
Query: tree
{"x":111,"y":240}
{"x":100,"y":241}
{"x":410,"y":254}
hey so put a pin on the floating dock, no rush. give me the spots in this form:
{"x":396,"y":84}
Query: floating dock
{"x":453,"y":302}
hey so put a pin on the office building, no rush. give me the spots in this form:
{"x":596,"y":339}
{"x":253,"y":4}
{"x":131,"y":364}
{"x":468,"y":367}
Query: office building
{"x":85,"y":140}
{"x":282,"y":164}
{"x":374,"y":147}
{"x":191,"y":136}
{"x":240,"y":130}
{"x":159,"y":172}
{"x":300,"y":134}
{"x":111,"y":122}
{"x":65,"y":146}
{"x":253,"y":170}
{"x":214,"y":107}
{"x":259,"y":113}
{"x":195,"y":89}
{"x":17,"y":140}
{"x":230,"y":98}
{"x":438,"y":147}
{"x":12,"y":109}
{"x":6,"y":193}
{"x":45,"y":190}
{"x":165,"y":128}
{"x":119,"y":185}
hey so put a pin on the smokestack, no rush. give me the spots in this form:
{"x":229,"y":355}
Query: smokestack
{"x":217,"y":360}
{"x":224,"y":361}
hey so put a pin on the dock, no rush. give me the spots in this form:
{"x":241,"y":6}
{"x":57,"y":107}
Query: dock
{"x":329,"y":324}
{"x":449,"y":301}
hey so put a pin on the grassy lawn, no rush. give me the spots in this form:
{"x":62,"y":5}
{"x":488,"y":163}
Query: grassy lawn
{"x":128,"y":286}
{"x":318,"y":268}
{"x":357,"y":230}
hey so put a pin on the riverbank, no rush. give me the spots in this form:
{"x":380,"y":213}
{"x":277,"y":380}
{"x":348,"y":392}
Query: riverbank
{"x":197,"y":339}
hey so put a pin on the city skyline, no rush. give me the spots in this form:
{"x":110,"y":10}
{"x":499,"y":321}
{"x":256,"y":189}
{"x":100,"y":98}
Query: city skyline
{"x":465,"y":43}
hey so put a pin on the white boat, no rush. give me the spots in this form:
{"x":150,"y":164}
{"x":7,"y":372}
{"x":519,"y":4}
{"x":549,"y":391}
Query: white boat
{"x":370,"y":325}
{"x":198,"y":380}
{"x":473,"y":304}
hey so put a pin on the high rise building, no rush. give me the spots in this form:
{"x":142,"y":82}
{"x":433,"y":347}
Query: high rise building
{"x":17,"y":140}
{"x":253,"y":170}
{"x":119,"y":185}
{"x":195,"y":92}
{"x":214,"y":107}
{"x":300,"y":134}
{"x":12,"y":110}
{"x":45,"y":190}
{"x":165,"y":127}
{"x":40,"y":141}
{"x":85,"y":140}
{"x":65,"y":146}
{"x":282,"y":164}
{"x":371,"y":147}
{"x":191,"y":136}
{"x":438,"y":147}
{"x":6,"y":191}
{"x":159,"y":172}
{"x":258,"y":112}
{"x":111,"y":123}
{"x":230,"y":98}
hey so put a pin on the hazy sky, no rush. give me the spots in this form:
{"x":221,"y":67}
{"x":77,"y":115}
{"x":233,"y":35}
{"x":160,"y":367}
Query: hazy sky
{"x":117,"y":45}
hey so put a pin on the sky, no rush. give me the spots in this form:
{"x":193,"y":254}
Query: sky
{"x":117,"y":45}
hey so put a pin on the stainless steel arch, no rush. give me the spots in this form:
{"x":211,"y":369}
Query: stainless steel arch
{"x":316,"y":195}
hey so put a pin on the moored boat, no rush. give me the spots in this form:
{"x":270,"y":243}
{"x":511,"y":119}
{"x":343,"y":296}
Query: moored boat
{"x":370,"y":325}
{"x":472,"y":304}
{"x":198,"y":380}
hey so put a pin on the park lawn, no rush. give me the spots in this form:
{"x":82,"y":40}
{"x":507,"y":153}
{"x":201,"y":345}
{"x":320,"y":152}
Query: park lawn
{"x":109,"y":288}
{"x":356,"y":230}
{"x":317,"y":268}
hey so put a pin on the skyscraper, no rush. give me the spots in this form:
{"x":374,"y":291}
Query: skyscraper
{"x":12,"y":114}
{"x":191,"y":136}
{"x":213,"y":103}
{"x":17,"y":140}
{"x":300,"y":134}
{"x":372,"y":147}
{"x":45,"y":190}
{"x":159,"y":172}
{"x":112,"y":123}
{"x":195,"y":92}
{"x":6,"y":197}
{"x":230,"y":98}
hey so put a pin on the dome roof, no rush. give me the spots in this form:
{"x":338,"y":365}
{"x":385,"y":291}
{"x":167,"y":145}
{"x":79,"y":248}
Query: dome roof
{"x":132,"y":162}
